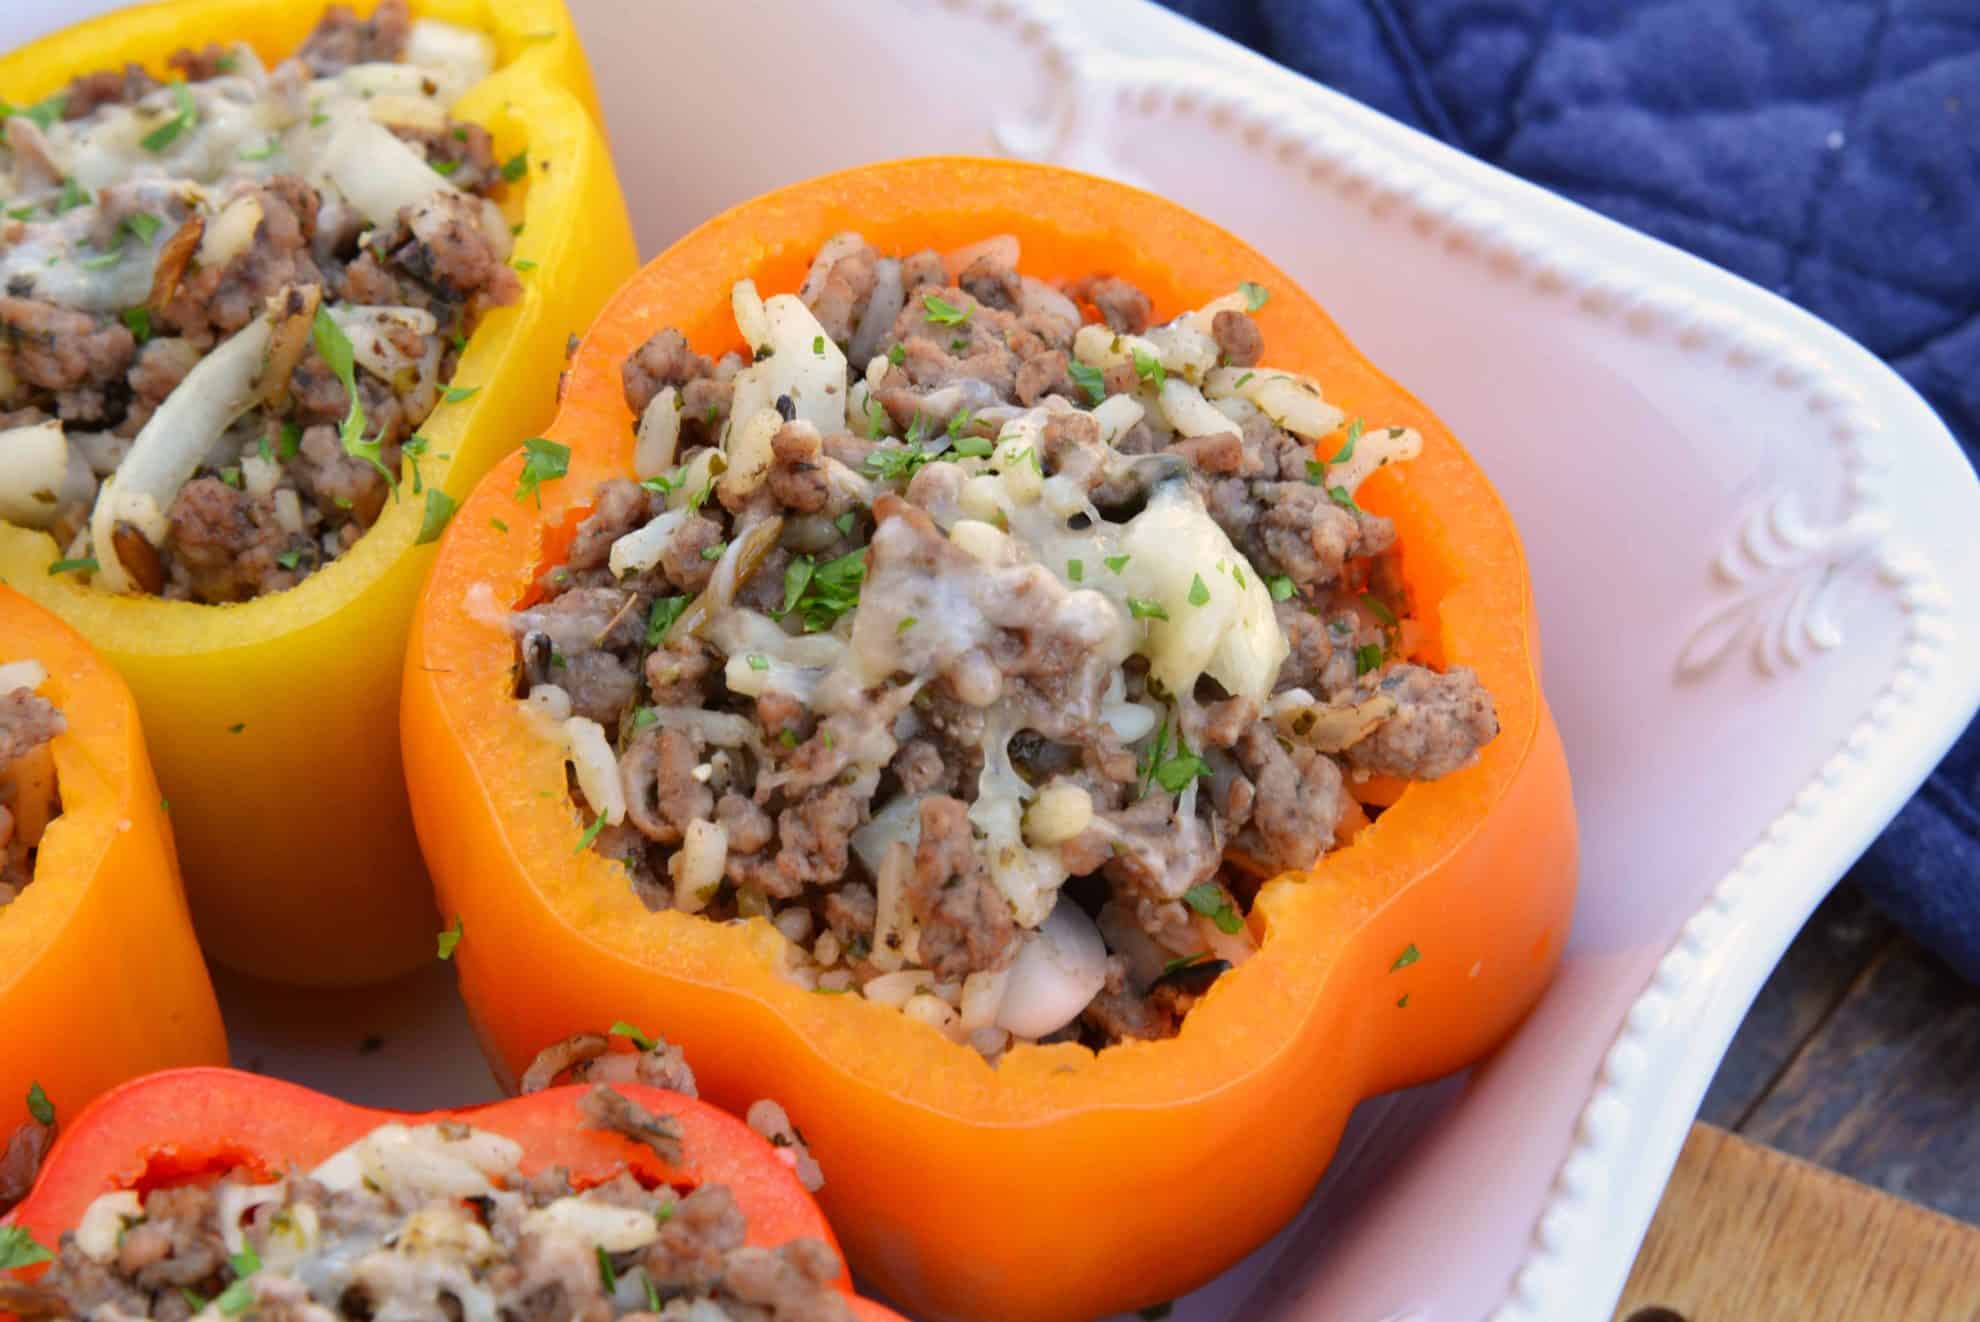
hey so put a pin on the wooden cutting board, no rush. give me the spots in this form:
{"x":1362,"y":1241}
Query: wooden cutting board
{"x":1745,"y":1234}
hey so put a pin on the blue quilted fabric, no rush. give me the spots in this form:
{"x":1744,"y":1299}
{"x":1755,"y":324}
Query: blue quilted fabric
{"x":1827,"y":149}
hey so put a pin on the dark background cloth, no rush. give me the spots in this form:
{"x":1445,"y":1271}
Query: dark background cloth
{"x":1826,"y":149}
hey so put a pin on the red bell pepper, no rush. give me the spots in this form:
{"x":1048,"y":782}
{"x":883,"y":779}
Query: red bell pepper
{"x":182,"y":1125}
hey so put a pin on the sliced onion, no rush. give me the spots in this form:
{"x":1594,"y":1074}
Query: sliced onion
{"x":883,"y":309}
{"x":379,"y":336}
{"x":1188,"y":412}
{"x":840,"y":246}
{"x":1117,"y":415}
{"x":698,"y":865}
{"x":468,"y":55}
{"x":1378,"y":448}
{"x":1287,"y":398}
{"x":896,"y":938}
{"x":103,"y":1222}
{"x":1326,"y":726}
{"x":597,"y":768}
{"x":1058,"y":972}
{"x":795,"y":360}
{"x":224,"y":385}
{"x":28,"y":674}
{"x":640,"y":549}
{"x":378,"y":173}
{"x":659,"y":435}
{"x":749,"y":454}
{"x":899,"y":820}
{"x":34,"y":468}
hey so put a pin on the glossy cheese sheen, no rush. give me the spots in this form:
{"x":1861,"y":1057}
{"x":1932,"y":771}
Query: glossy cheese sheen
{"x":1059,"y":1184}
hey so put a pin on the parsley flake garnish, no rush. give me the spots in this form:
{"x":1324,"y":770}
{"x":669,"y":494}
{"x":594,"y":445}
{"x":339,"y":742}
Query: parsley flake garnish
{"x":757,"y":661}
{"x":1342,"y":497}
{"x":1208,"y":899}
{"x":818,"y":345}
{"x":1199,"y":591}
{"x":896,"y":354}
{"x":516,"y":166}
{"x":1255,"y":294}
{"x":1141,"y":608}
{"x":944,"y":313}
{"x":876,"y":419}
{"x":644,"y":717}
{"x":142,"y":226}
{"x":1409,"y":956}
{"x":714,"y":550}
{"x":821,"y":593}
{"x":972,"y":447}
{"x":1379,"y":609}
{"x":1367,"y":658}
{"x":590,"y":834}
{"x":185,"y":115}
{"x":73,"y":195}
{"x":1090,"y":379}
{"x":20,"y":1249}
{"x":43,"y":114}
{"x":439,"y":509}
{"x":291,"y":444}
{"x":1280,"y":586}
{"x":1316,"y":473}
{"x":524,"y":265}
{"x":289,"y":559}
{"x":39,"y":1106}
{"x":261,"y":153}
{"x":455,"y":394}
{"x":620,"y":1028}
{"x":237,"y":1297}
{"x":662,"y":616}
{"x":443,"y":168}
{"x":81,"y":565}
{"x":335,"y":348}
{"x":543,"y":461}
{"x":1116,"y":563}
{"x":498,"y":525}
{"x":1076,"y":570}
{"x":1177,"y":965}
{"x":907,"y":622}
{"x":1149,"y":368}
{"x":237,"y":727}
{"x":1239,"y":383}
{"x":450,"y":939}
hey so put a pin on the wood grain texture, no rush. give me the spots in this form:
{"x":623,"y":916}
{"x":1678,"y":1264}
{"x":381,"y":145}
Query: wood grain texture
{"x":1749,"y":1235}
{"x":1885,"y":1091}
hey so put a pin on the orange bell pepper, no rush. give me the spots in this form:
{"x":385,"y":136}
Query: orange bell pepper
{"x":192,"y":1122}
{"x":100,"y":979}
{"x":274,"y":724}
{"x":1059,"y":1183}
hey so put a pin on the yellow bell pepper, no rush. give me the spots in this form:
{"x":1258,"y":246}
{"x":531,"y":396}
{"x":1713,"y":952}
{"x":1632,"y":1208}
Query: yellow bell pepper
{"x":274,"y":724}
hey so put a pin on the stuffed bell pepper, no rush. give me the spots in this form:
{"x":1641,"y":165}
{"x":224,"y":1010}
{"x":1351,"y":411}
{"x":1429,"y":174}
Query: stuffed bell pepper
{"x":211,"y":1194}
{"x":279,"y":284}
{"x":88,"y":887}
{"x":980,"y":655}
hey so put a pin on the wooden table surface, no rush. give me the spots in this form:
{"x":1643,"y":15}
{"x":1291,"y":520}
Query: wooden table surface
{"x":1836,"y":1176}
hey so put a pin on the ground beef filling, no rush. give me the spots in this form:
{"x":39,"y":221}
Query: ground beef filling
{"x":28,"y":796}
{"x":383,"y":1229}
{"x":146,"y":227}
{"x":989,"y":638}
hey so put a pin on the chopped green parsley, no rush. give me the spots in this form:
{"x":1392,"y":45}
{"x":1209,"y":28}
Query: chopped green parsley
{"x":543,"y":461}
